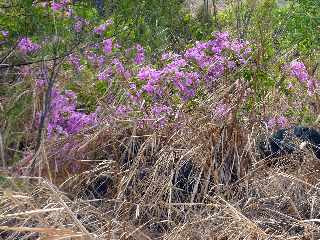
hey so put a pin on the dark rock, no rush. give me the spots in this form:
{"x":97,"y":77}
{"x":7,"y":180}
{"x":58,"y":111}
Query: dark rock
{"x":183,"y":178}
{"x":311,"y":136}
{"x":282,"y":142}
{"x":99,"y":188}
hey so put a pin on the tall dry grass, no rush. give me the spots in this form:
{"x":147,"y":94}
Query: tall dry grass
{"x":128,"y":180}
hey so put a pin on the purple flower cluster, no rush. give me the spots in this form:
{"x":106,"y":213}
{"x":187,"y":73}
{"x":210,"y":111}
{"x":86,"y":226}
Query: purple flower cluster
{"x":160,"y":113}
{"x":120,"y":69}
{"x":299,"y":71}
{"x":78,"y":26}
{"x":4,"y":33}
{"x":75,"y":61}
{"x":103,"y":58}
{"x":156,"y":91}
{"x":26,"y":46}
{"x":105,"y":74}
{"x":139,"y":58}
{"x":221,"y":111}
{"x":214,"y":58}
{"x":122,"y":111}
{"x":103,"y":27}
{"x":94,"y":59}
{"x":280,"y":121}
{"x":152,"y":78}
{"x":58,"y":5}
{"x":64,"y":119}
{"x":107,"y":46}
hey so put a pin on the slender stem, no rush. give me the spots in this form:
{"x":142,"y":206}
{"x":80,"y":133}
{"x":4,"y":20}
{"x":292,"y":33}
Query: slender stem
{"x":2,"y":151}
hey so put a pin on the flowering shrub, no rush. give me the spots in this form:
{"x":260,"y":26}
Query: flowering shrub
{"x":197,"y":69}
{"x":155,"y":91}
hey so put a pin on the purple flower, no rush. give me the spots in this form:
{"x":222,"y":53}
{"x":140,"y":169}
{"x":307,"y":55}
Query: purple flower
{"x":222,"y":39}
{"x":78,"y":26}
{"x":71,"y":95}
{"x":105,"y":74}
{"x":122,"y":111}
{"x":92,"y":57}
{"x":311,"y":85}
{"x":298,"y":70}
{"x":26,"y":46}
{"x":41,"y":83}
{"x":174,"y":66}
{"x":160,"y":113}
{"x":282,"y":121}
{"x":107,"y":46}
{"x":64,"y":119}
{"x":100,"y":29}
{"x":231,"y":65}
{"x":148,"y":73}
{"x":169,"y":56}
{"x":119,"y":66}
{"x":160,"y":110}
{"x":103,"y":27}
{"x":237,"y":46}
{"x":272,"y":122}
{"x":55,"y":6}
{"x":69,"y":12}
{"x":139,"y":58}
{"x":216,"y":69}
{"x":4,"y":33}
{"x":221,"y":111}
{"x":75,"y":61}
{"x":149,"y":88}
{"x":198,"y":55}
{"x":127,"y":75}
{"x":101,"y":61}
{"x":132,"y":86}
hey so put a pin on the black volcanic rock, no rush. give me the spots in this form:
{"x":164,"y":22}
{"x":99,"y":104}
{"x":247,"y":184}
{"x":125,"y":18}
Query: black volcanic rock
{"x":282,"y":142}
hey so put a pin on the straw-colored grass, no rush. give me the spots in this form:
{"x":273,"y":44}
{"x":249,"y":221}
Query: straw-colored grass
{"x":268,"y":199}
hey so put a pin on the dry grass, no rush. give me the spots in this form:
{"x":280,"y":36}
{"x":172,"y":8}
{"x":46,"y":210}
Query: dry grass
{"x":141,"y":200}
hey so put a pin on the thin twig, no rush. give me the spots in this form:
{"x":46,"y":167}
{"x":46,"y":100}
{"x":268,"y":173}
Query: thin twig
{"x":2,"y":151}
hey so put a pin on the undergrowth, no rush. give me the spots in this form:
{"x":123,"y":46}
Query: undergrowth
{"x":139,"y":121}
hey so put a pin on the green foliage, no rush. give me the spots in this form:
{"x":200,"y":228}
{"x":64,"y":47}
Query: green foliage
{"x":157,"y":25}
{"x":147,"y":22}
{"x":299,"y":24}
